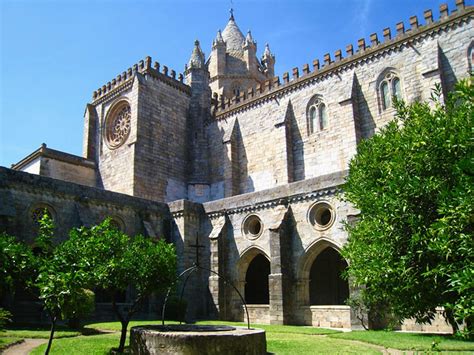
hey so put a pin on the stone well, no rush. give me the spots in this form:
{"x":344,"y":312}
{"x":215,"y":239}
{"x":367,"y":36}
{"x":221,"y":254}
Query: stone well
{"x":189,"y":339}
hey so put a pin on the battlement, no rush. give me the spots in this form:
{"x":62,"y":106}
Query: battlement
{"x":329,"y":65}
{"x":142,"y":67}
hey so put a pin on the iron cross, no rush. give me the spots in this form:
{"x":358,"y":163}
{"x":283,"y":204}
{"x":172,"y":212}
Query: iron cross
{"x":197,"y":246}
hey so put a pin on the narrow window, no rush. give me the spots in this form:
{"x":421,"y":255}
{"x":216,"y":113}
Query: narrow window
{"x":323,"y":118}
{"x":385,"y":95}
{"x":312,"y":118}
{"x":396,"y":88}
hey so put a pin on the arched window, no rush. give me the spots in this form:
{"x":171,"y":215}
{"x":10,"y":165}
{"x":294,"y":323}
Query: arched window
{"x":323,"y":117}
{"x":326,"y":285}
{"x":256,"y":281}
{"x":389,"y":86}
{"x":317,"y":115}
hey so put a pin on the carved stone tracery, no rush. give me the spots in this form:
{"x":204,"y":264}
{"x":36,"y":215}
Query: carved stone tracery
{"x":118,"y":126}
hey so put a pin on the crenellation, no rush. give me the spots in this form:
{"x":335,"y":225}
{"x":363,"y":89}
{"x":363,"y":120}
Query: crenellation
{"x":414,"y":22}
{"x":315,"y":65}
{"x":400,"y":27}
{"x":276,"y":81}
{"x":296,"y":73}
{"x":327,"y":59}
{"x":254,"y":147}
{"x":148,"y":62}
{"x":428,"y":15}
{"x":374,"y":40}
{"x":443,"y":11}
{"x":142,"y":67}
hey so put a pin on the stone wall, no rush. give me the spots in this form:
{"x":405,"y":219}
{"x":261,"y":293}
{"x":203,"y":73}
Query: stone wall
{"x":72,"y":205}
{"x":266,"y":134}
{"x":289,"y":238}
{"x":151,"y":162}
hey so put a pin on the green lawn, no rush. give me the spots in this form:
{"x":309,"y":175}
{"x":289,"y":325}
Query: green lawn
{"x":282,"y":340}
{"x":4,"y":342}
{"x":36,"y":332}
{"x":93,"y":344}
{"x":408,"y":341}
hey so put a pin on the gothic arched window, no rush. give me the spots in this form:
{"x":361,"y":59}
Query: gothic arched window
{"x":317,"y":115}
{"x":389,"y":86}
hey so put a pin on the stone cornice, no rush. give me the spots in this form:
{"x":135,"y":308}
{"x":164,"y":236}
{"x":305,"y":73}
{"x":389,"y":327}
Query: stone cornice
{"x":401,"y":41}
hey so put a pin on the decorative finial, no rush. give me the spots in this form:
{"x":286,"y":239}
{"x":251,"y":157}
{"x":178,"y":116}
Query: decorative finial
{"x":231,"y":14}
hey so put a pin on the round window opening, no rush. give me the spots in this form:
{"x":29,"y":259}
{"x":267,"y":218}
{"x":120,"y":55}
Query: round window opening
{"x":117,"y":125}
{"x":321,"y":215}
{"x":252,"y":227}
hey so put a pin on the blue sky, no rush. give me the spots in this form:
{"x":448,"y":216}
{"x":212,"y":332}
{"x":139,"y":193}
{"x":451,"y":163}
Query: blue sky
{"x":54,"y":54}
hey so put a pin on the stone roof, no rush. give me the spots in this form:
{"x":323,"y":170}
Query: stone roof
{"x":197,"y":57}
{"x":232,"y":36}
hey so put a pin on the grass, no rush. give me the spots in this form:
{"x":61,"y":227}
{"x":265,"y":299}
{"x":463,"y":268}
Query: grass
{"x":281,"y":340}
{"x":408,"y":341}
{"x":37,"y":332}
{"x":4,"y":342}
{"x":93,"y":344}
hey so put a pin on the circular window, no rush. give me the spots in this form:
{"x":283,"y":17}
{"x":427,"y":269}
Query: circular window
{"x":39,"y":211}
{"x":321,"y":215}
{"x":117,"y":125}
{"x":252,"y":226}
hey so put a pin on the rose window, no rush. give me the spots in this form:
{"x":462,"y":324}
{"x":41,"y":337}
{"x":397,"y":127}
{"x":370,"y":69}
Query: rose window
{"x":118,"y":126}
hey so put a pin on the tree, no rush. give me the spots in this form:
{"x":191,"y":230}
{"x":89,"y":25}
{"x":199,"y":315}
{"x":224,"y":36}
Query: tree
{"x":16,"y":268}
{"x":117,"y":262}
{"x":17,"y":264}
{"x":412,"y":246}
{"x":60,"y":283}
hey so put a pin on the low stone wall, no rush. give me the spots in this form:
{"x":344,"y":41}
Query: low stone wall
{"x":438,"y":325}
{"x":258,"y":313}
{"x":328,"y":316}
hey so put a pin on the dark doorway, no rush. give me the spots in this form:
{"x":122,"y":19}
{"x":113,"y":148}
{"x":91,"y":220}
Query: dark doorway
{"x":256,"y":281}
{"x":326,"y":285}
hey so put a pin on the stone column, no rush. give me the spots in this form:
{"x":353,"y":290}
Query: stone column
{"x":275,"y":279}
{"x":186,"y":215}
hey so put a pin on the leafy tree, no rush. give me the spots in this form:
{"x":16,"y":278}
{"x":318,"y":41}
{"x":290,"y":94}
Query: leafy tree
{"x":118,"y":262}
{"x":413,"y":245}
{"x":60,"y":283}
{"x":17,"y":264}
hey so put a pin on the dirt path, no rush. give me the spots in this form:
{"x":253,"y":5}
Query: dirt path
{"x":24,"y":347}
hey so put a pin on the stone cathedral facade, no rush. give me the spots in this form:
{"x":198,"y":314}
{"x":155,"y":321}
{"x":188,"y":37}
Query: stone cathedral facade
{"x":249,"y":163}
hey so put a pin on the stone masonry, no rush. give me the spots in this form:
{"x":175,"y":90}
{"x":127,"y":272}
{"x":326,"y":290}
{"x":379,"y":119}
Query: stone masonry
{"x":248,"y":163}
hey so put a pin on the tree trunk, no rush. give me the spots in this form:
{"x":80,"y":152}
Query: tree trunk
{"x":51,"y":334}
{"x":452,"y":322}
{"x":123,"y":335}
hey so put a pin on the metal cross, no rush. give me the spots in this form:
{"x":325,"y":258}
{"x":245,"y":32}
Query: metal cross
{"x":197,"y":246}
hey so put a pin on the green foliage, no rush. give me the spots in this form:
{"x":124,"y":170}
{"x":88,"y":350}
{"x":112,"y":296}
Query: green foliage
{"x":5,"y":317}
{"x":413,"y":245}
{"x":17,"y":264}
{"x":114,"y":261}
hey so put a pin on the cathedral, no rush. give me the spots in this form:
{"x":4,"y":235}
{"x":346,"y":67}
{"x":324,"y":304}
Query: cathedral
{"x":247,"y":163}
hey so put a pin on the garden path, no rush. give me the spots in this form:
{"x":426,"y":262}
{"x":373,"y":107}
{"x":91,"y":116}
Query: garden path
{"x":24,"y":347}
